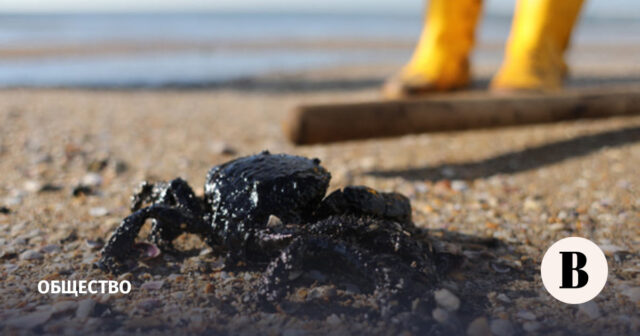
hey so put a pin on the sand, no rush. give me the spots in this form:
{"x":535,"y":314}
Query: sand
{"x":523,"y":187}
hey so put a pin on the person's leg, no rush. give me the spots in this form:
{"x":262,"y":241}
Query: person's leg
{"x":540,"y":34}
{"x":440,"y":61}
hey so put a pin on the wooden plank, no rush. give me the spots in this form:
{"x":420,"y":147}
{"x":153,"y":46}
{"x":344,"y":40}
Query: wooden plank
{"x":311,"y":124}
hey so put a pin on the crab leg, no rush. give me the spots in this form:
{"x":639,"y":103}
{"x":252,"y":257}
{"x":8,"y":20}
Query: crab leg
{"x":382,"y":236}
{"x":391,"y":278}
{"x":176,"y":192}
{"x":167,"y":226}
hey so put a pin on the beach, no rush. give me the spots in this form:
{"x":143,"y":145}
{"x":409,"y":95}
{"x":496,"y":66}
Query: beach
{"x":498,"y":198}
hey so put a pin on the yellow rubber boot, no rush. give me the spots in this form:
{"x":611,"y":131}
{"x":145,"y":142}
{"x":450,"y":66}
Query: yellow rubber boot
{"x":540,"y":34}
{"x":440,"y":61}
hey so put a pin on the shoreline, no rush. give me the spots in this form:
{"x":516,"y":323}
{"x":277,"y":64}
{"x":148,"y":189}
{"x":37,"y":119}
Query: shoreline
{"x":247,"y":65}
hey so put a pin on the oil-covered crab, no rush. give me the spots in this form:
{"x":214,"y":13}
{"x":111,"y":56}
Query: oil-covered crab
{"x":355,"y":230}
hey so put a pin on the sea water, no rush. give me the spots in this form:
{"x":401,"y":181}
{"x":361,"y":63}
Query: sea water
{"x":217,"y":47}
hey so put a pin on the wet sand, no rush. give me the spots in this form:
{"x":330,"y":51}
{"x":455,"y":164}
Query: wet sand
{"x":519,"y":188}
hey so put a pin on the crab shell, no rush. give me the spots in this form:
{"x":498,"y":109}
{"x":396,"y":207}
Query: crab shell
{"x":243,"y":193}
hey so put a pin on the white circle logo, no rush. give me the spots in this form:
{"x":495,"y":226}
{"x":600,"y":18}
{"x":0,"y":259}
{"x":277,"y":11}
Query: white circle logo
{"x":574,"y":270}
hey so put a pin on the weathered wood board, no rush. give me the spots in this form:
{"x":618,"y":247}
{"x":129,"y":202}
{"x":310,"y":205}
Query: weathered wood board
{"x":323,"y":123}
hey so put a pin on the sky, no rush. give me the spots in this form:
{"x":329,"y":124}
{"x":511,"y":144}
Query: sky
{"x":600,"y":8}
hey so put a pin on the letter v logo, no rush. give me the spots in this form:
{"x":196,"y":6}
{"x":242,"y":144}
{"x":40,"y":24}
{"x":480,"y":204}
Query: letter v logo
{"x":574,"y":270}
{"x":568,"y":269}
